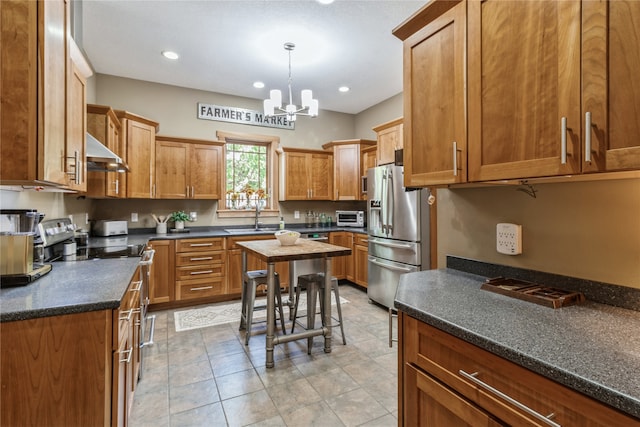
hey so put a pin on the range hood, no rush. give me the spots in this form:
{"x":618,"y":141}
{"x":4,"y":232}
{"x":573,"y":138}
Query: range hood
{"x":100,"y":158}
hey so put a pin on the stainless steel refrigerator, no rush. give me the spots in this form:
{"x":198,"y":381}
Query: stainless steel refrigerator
{"x":398,"y":228}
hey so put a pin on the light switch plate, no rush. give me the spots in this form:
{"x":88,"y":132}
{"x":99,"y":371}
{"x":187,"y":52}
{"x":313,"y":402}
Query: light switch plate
{"x":509,"y":238}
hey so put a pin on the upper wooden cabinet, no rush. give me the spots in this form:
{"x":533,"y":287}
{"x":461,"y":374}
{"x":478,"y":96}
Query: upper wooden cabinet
{"x":41,"y":90}
{"x":139,"y":137}
{"x":104,"y":125}
{"x":390,"y":139}
{"x":610,"y":102}
{"x":305,"y":174}
{"x":435,"y":137}
{"x":188,"y":168}
{"x":524,"y":89}
{"x":347,"y":174}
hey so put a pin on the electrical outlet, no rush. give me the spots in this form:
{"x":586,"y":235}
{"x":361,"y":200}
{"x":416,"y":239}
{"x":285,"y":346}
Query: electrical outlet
{"x":296,"y":214}
{"x":193,"y":216}
{"x":134,"y":217}
{"x":509,"y":239}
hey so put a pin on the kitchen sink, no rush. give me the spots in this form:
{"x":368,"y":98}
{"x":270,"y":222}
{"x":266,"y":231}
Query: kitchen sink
{"x":251,"y":230}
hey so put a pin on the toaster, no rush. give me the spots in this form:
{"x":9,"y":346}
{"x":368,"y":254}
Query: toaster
{"x":110,"y":228}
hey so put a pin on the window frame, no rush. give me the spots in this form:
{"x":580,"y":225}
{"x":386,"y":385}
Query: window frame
{"x":272,"y":143}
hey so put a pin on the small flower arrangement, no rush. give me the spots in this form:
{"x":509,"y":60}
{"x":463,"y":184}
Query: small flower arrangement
{"x":179,"y":216}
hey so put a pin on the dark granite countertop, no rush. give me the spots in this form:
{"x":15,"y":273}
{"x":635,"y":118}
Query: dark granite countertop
{"x":70,"y":287}
{"x":593,"y":348}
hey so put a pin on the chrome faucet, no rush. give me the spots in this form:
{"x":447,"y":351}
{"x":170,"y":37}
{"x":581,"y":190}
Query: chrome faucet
{"x":257,"y":224}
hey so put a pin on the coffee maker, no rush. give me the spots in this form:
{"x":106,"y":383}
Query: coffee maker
{"x":21,"y":249}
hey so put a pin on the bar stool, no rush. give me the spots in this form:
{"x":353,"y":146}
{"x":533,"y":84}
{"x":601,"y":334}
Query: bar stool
{"x":251,"y":281}
{"x":313,"y":284}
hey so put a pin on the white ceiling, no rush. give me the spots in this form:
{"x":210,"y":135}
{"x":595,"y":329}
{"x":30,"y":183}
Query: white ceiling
{"x":225,"y":46}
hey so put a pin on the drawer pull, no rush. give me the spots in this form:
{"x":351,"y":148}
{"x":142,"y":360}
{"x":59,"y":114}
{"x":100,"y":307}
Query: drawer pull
{"x":202,"y":258}
{"x":195,"y":245}
{"x":472,"y":378}
{"x":201,"y":288}
{"x":137,"y":287}
{"x":126,"y":315}
{"x":127,"y":358}
{"x":194,"y":273}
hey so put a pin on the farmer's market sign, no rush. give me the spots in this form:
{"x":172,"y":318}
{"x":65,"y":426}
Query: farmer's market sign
{"x":242,"y":116}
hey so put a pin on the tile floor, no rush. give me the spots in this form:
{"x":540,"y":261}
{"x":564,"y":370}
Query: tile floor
{"x":208,"y":377}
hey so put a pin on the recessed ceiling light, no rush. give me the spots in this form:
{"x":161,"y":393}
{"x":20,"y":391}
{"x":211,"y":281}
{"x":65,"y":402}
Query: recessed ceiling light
{"x":344,"y":89}
{"x":169,"y":54}
{"x":258,"y":85}
{"x":325,"y":1}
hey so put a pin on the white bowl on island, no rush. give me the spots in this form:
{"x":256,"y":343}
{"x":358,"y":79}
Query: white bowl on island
{"x":287,"y":237}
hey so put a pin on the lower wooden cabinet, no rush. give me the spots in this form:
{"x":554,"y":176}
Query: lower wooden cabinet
{"x":445,"y":382}
{"x":352,"y":267}
{"x":360,"y":256}
{"x":200,"y":268}
{"x":71,"y":370}
{"x":162,"y":284}
{"x":340,"y":264}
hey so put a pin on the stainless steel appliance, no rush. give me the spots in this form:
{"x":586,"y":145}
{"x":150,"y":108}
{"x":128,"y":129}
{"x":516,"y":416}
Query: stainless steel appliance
{"x":110,"y":228}
{"x":398,"y":228}
{"x":350,"y":218}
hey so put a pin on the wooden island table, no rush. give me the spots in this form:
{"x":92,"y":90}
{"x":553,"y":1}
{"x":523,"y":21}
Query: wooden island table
{"x":271,"y":251}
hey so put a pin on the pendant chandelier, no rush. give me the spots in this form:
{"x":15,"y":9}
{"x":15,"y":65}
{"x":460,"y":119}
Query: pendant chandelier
{"x":273,"y":105}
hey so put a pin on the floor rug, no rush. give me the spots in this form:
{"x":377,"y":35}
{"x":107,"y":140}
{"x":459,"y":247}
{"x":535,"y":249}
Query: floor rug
{"x":219,"y":314}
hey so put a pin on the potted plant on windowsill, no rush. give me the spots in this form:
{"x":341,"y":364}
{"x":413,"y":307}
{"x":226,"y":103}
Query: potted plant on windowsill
{"x":179,"y":217}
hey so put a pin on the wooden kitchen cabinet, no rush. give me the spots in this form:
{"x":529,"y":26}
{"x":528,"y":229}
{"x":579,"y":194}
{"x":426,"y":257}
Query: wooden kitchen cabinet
{"x":435,"y":392}
{"x":234,"y":262}
{"x":103,"y":124}
{"x":162,"y":282}
{"x":368,"y":160}
{"x":390,"y":138}
{"x":139,"y":137}
{"x":188,"y":169}
{"x":524,"y":81}
{"x":42,"y":90}
{"x":360,"y":255}
{"x":306,"y":174}
{"x":200,"y":268}
{"x":342,"y":266}
{"x":347,"y":175}
{"x":435,"y":133}
{"x":610,"y":60}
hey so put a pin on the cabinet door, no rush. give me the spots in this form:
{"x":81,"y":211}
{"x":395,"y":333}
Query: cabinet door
{"x":103,"y":124}
{"x":141,"y":139}
{"x":76,"y":167}
{"x":162,"y":285}
{"x":435,"y":149}
{"x":171,"y":170}
{"x":361,"y":261}
{"x":346,"y":177}
{"x":524,"y":83}
{"x":610,"y":60}
{"x":429,"y":403}
{"x":389,"y":140}
{"x":205,"y":168}
{"x":320,"y":182}
{"x":296,"y":176}
{"x":339,"y":264}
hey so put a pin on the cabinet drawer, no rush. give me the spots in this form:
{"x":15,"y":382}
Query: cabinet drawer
{"x":361,"y":239}
{"x":193,"y":245}
{"x":197,"y":258}
{"x":199,"y":271}
{"x":447,"y":358}
{"x":200,"y":288}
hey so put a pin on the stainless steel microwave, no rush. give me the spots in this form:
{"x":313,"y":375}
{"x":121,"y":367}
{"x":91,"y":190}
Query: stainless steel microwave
{"x":350,"y":218}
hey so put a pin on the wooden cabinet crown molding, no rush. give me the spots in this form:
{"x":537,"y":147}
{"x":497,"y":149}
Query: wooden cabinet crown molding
{"x":388,"y":124}
{"x":362,"y":142}
{"x":422,"y":17}
{"x":188,"y":140}
{"x":122,"y":114}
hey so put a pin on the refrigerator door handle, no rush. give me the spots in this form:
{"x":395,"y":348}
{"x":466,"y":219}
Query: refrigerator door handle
{"x":389,"y":267}
{"x":390,"y":245}
{"x":383,"y":205}
{"x":391,"y":202}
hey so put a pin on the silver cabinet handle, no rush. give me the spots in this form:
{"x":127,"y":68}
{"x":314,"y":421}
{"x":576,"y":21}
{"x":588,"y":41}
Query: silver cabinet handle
{"x":587,"y":136}
{"x":193,"y":192}
{"x":195,"y":273}
{"x":202,"y":258}
{"x":138,"y":286}
{"x":147,"y":257}
{"x":117,"y":186}
{"x":75,"y":166}
{"x":389,"y":267}
{"x":128,"y":353}
{"x":152,"y":331}
{"x":195,"y":245}
{"x":472,"y":378}
{"x":126,"y":316}
{"x":563,"y":141}
{"x":455,"y":158}
{"x":201,"y":288}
